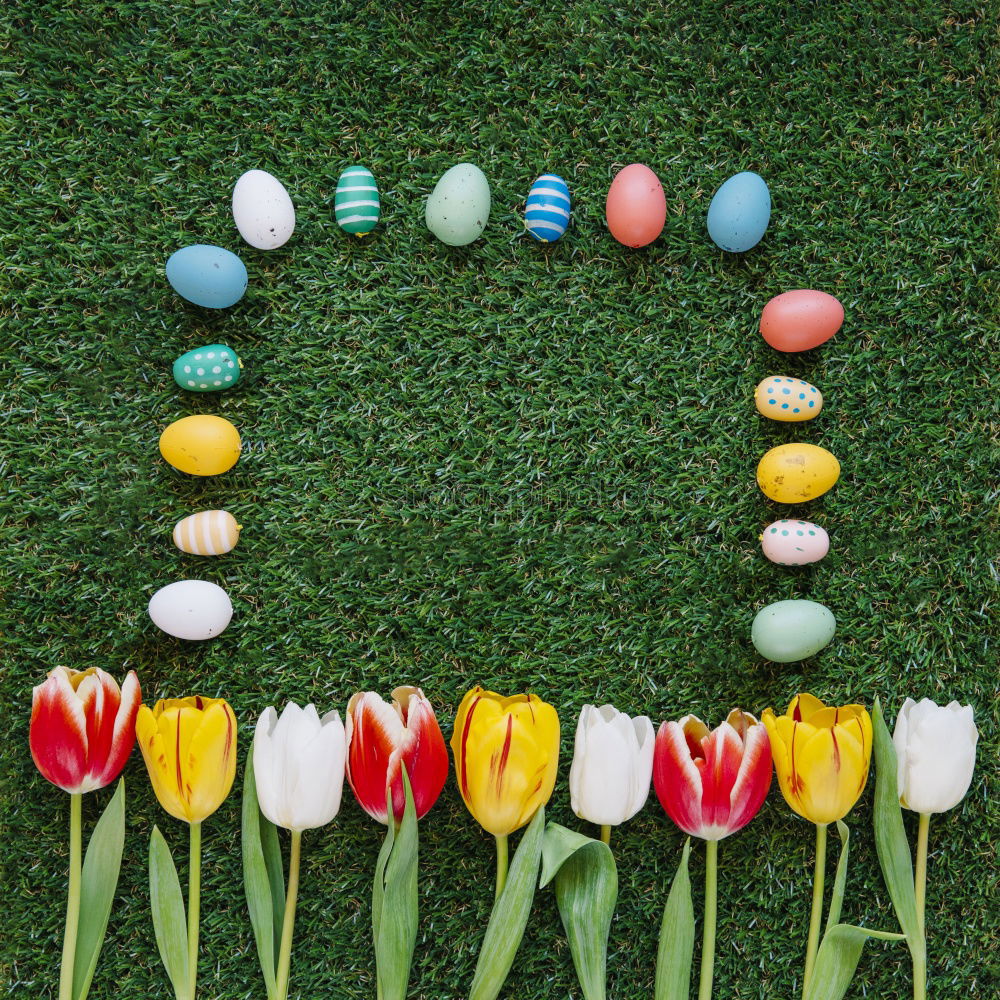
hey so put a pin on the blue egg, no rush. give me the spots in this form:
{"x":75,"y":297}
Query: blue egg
{"x":547,"y":214}
{"x":740,"y":212}
{"x":207,"y":276}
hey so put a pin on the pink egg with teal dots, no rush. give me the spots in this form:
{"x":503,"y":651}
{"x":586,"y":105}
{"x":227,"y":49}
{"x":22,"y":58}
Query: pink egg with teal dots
{"x":794,"y":543}
{"x":789,"y":400}
{"x":546,"y":214}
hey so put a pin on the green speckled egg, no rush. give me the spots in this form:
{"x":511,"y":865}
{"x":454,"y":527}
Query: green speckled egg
{"x":208,"y":369}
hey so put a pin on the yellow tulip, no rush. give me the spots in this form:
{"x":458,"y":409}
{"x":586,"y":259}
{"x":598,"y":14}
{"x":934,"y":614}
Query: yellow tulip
{"x":821,"y":756}
{"x":506,"y":755}
{"x":189,"y":746}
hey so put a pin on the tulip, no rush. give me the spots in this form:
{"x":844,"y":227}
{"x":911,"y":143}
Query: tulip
{"x":81,"y":734}
{"x":612,"y":766}
{"x":935,"y":757}
{"x":712,"y":784}
{"x":381,"y":737}
{"x":821,"y":756}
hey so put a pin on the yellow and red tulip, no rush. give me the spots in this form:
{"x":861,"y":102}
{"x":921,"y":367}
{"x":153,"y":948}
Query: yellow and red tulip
{"x":712,"y":784}
{"x":83,"y":727}
{"x":381,"y":737}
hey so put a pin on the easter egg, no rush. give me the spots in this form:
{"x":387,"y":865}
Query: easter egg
{"x":636,"y":208}
{"x":546,"y":214}
{"x":207,"y":533}
{"x":208,"y":369}
{"x":191,"y":609}
{"x":801,"y":319}
{"x":794,"y":543}
{"x":739,"y":212}
{"x":356,"y":204}
{"x":201,"y":445}
{"x":792,"y":630}
{"x":459,"y":205}
{"x":788,"y":399}
{"x":795,"y":473}
{"x":207,"y":276}
{"x":262,"y":210}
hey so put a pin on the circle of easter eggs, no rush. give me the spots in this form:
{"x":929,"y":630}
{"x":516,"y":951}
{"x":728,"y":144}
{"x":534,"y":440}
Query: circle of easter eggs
{"x":801,"y":319}
{"x":191,"y":609}
{"x":794,"y":543}
{"x":459,"y":206}
{"x":546,"y":213}
{"x":262,"y":210}
{"x":356,"y":204}
{"x":208,"y":369}
{"x":739,"y":212}
{"x":787,"y":399}
{"x":207,"y":533}
{"x":636,"y":207}
{"x":201,"y":445}
{"x":787,"y":631}
{"x":207,"y":275}
{"x":795,"y":473}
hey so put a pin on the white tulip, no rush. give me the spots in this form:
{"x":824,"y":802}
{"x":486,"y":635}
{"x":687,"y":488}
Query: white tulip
{"x":299,"y":762}
{"x":612,"y":765}
{"x":936,"y":754}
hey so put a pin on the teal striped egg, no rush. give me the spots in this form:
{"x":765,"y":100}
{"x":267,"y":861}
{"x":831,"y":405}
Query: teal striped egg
{"x":208,"y":369}
{"x":356,"y":203}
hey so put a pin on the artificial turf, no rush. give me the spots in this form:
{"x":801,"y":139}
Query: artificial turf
{"x":529,"y":467}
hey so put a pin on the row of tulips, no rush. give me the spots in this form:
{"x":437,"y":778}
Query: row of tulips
{"x":710,"y":782}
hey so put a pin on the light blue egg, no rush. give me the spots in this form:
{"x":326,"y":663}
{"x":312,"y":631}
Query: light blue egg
{"x":740,"y":212}
{"x":207,"y":276}
{"x":546,"y":215}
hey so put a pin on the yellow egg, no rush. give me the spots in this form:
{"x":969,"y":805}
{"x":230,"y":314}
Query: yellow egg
{"x":795,"y":473}
{"x":788,"y":399}
{"x":207,"y":533}
{"x":201,"y":445}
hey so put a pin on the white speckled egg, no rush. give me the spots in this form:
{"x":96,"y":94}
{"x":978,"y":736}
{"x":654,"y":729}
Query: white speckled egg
{"x":794,"y":543}
{"x":207,"y":533}
{"x":191,"y":609}
{"x":262,"y":210}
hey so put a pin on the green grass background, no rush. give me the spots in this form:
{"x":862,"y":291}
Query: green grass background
{"x":529,"y":467}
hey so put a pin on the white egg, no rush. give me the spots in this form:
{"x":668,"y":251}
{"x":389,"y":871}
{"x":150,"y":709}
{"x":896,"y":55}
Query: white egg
{"x":263,"y":211}
{"x":191,"y":609}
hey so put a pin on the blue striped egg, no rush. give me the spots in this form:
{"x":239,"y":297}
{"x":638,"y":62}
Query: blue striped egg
{"x":547,"y":214}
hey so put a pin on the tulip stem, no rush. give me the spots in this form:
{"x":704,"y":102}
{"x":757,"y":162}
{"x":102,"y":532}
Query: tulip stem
{"x":920,"y":891}
{"x":606,"y":834}
{"x":501,"y":863}
{"x":816,"y":917}
{"x":73,"y":901}
{"x":194,"y":907}
{"x":288,"y":923}
{"x":708,"y":935}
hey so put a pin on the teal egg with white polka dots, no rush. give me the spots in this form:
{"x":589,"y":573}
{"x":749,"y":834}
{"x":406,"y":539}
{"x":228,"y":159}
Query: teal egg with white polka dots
{"x":788,"y":399}
{"x":794,"y":543}
{"x":208,"y":369}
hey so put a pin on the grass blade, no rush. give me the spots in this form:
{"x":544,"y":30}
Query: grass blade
{"x":169,"y":921}
{"x":676,"y":947}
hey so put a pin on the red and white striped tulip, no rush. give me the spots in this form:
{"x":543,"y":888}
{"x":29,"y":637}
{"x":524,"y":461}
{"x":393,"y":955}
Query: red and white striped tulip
{"x":83,"y":727}
{"x":712,"y":784}
{"x":381,"y":737}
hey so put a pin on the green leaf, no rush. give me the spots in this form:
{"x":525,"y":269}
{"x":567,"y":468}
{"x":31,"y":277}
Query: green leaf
{"x":510,"y":915}
{"x":378,"y":884}
{"x":101,"y":867}
{"x":256,"y":881}
{"x":676,"y":948}
{"x":837,"y":960}
{"x":397,"y":929}
{"x":586,"y":892}
{"x":890,"y":836}
{"x":840,"y":880}
{"x":169,"y":921}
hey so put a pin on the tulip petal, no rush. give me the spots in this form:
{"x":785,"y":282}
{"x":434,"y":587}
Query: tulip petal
{"x":754,"y":779}
{"x":58,"y":732}
{"x":803,"y":706}
{"x":426,"y":757}
{"x":940,"y":758}
{"x":374,"y":729}
{"x":677,"y":779}
{"x":210,"y":765}
{"x":107,"y":767}
{"x":723,"y":751}
{"x":605,"y":758}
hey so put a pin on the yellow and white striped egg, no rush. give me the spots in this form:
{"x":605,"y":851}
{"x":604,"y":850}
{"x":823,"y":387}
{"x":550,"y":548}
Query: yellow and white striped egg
{"x":207,"y":533}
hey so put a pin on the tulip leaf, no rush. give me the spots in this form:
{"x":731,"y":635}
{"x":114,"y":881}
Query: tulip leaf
{"x":890,"y":836}
{"x":586,"y":880}
{"x":395,"y":921}
{"x":837,"y":960}
{"x":167,"y":904}
{"x":676,"y":948}
{"x":258,"y":881}
{"x":840,"y":879}
{"x":101,"y":867}
{"x":510,"y":915}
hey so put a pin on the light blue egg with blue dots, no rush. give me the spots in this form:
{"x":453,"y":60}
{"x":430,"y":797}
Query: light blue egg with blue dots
{"x":546,"y":214}
{"x":791,"y":400}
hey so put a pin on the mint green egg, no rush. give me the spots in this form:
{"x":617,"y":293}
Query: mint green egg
{"x":208,"y":369}
{"x":787,"y":631}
